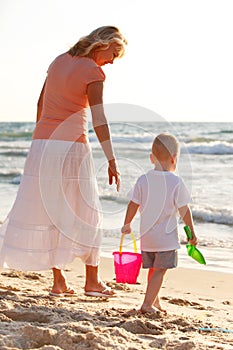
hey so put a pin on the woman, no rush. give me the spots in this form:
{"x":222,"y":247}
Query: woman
{"x":56,"y":215}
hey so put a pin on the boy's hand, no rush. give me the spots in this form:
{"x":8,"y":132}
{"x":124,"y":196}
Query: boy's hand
{"x":194,"y":240}
{"x":126,"y":229}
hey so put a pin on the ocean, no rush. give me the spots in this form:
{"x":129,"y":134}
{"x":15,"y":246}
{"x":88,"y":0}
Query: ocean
{"x":205,"y":164}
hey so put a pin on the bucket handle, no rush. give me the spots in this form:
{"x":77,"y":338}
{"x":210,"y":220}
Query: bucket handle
{"x":134,"y":242}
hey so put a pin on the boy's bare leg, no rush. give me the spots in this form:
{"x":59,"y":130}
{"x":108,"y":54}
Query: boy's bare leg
{"x":155,"y":280}
{"x":158,"y":305}
{"x":157,"y":299}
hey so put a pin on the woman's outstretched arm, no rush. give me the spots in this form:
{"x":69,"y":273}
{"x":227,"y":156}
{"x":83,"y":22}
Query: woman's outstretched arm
{"x":100,"y":124}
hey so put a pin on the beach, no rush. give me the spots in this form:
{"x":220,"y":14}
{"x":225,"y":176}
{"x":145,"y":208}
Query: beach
{"x":199,"y":308}
{"x":205,"y":164}
{"x":198,"y":298}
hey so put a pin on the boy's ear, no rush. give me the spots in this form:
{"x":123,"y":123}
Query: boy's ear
{"x":174,"y":158}
{"x":152,"y":158}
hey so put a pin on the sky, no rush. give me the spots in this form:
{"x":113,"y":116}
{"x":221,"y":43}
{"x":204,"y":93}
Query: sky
{"x":178,"y":62}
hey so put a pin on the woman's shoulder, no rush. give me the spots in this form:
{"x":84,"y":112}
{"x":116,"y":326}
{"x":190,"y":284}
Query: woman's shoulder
{"x":80,"y":60}
{"x":60,"y":57}
{"x":59,"y":60}
{"x":87,"y":66}
{"x":85,"y":61}
{"x":90,"y":68}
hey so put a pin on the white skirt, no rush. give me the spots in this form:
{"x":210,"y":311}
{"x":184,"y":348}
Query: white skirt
{"x":57,"y":213}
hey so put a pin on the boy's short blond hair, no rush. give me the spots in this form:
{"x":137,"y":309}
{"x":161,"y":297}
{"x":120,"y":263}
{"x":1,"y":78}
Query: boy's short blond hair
{"x":165,"y":145}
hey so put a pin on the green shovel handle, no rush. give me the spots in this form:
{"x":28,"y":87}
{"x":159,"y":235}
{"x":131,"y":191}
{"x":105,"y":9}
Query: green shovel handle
{"x":188,"y":232}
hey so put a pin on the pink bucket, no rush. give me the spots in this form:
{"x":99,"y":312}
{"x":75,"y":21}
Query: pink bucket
{"x":127,"y":264}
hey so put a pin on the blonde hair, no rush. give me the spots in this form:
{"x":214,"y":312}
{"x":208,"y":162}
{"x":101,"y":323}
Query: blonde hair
{"x":99,"y":38}
{"x":165,"y":145}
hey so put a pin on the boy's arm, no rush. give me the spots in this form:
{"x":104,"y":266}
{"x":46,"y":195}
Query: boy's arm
{"x":186,"y":215}
{"x":130,"y":214}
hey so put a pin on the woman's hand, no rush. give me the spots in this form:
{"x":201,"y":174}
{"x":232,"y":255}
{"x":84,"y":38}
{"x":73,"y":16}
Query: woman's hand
{"x":113,"y":172}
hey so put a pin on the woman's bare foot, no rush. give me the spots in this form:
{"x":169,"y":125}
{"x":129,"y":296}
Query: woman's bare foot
{"x":99,"y":287}
{"x":94,"y":284}
{"x":60,"y":285}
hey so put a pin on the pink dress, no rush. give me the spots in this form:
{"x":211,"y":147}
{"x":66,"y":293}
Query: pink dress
{"x":57,"y":214}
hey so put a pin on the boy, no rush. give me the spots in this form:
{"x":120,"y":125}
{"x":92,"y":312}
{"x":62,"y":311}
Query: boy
{"x":160,"y":195}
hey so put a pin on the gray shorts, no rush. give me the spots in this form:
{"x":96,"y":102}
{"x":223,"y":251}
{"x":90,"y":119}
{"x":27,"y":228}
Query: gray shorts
{"x":162,"y":260}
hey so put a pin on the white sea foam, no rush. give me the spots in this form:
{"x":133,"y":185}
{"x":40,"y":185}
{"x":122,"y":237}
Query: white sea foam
{"x":214,"y":147}
{"x":215,"y":215}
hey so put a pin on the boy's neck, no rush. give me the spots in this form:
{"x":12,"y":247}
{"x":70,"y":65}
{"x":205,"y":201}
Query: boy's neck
{"x":164,"y":166}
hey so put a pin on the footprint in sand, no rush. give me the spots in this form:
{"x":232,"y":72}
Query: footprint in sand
{"x":13,"y":274}
{"x":9,"y":289}
{"x":184,"y":302}
{"x":142,"y":327}
{"x":19,"y":274}
{"x":118,"y":286}
{"x":33,"y":276}
{"x":206,"y":299}
{"x":181,"y":302}
{"x":6,"y":293}
{"x":26,"y":316}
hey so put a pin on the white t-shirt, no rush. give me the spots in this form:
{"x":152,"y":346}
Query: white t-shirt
{"x":159,"y":194}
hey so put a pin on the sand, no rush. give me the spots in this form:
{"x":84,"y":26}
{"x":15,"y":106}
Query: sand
{"x":195,"y":300}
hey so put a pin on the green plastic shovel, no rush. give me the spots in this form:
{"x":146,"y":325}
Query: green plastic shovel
{"x":192,"y":250}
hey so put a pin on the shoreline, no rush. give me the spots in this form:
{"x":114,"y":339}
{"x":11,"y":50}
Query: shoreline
{"x":199,"y":307}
